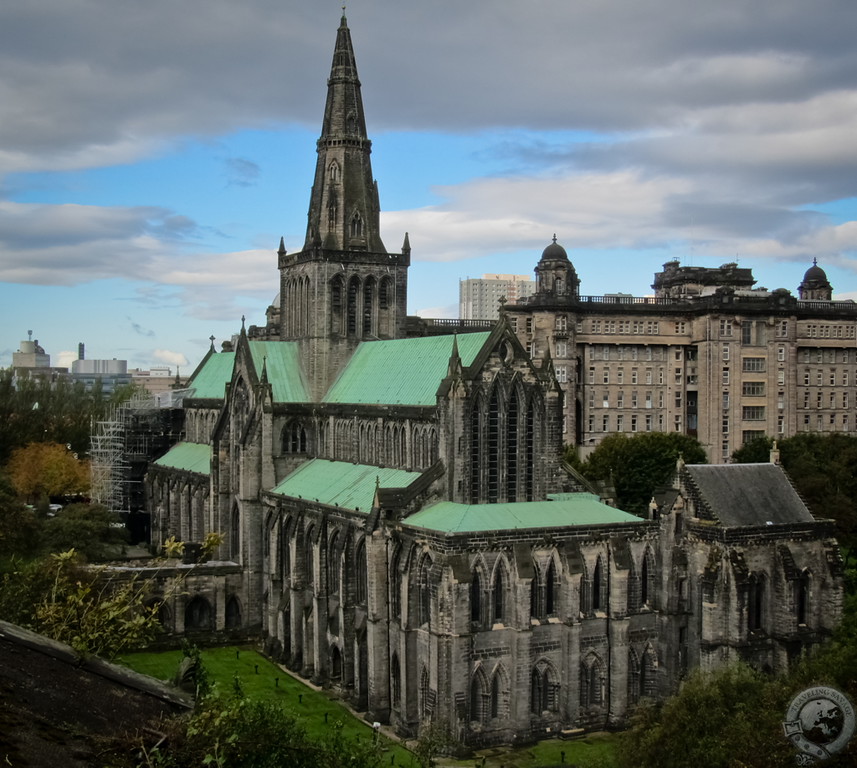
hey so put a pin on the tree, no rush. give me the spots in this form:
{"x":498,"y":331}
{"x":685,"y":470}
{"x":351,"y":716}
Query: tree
{"x":20,"y":526}
{"x":44,"y":470}
{"x":639,"y":464}
{"x":92,"y":610}
{"x":93,"y":531}
{"x":240,"y":733}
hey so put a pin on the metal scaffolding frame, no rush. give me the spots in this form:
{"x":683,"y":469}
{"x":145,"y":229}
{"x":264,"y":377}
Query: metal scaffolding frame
{"x":127,"y":436}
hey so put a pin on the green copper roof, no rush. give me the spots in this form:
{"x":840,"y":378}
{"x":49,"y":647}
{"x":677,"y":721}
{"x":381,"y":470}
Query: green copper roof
{"x":211,"y":381}
{"x":284,"y":369}
{"x":404,"y":371}
{"x":338,"y":483}
{"x":571,"y":510}
{"x":191,"y":457}
{"x":279,"y":357}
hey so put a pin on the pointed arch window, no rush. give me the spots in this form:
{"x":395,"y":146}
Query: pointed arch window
{"x":499,"y":593}
{"x":336,"y":296}
{"x":309,"y":576}
{"x":356,"y":225}
{"x":647,"y":578}
{"x":360,"y":573}
{"x":536,"y":594}
{"x":235,"y":535}
{"x":756,"y":602}
{"x":424,"y":591}
{"x":493,"y":445}
{"x":333,"y":564}
{"x":331,"y":213}
{"x":395,"y":682}
{"x":497,"y":708}
{"x":591,"y":682}
{"x":369,"y":307}
{"x":551,"y":590}
{"x":512,"y":449}
{"x":599,"y":586}
{"x":396,"y":585}
{"x":425,"y":703}
{"x":802,"y":598}
{"x":353,"y":298}
{"x":529,"y":451}
{"x":475,"y":450}
{"x":475,"y":597}
{"x":333,"y":172}
{"x":479,"y":704}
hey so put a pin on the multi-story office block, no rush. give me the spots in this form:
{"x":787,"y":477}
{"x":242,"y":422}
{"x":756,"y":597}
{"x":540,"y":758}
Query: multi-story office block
{"x":707,"y":355}
{"x":481,"y":298}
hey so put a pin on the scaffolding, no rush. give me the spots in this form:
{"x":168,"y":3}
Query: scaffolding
{"x":133,"y":434}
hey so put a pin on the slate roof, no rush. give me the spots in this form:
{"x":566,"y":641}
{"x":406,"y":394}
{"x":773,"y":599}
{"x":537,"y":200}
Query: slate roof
{"x":190,"y":457}
{"x":402,"y":371}
{"x":342,"y":484}
{"x":568,"y":509}
{"x":280,"y":358}
{"x":748,"y":494}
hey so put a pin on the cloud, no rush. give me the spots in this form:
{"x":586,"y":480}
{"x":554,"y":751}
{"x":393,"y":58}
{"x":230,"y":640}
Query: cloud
{"x":169,"y":357}
{"x":241,"y":172}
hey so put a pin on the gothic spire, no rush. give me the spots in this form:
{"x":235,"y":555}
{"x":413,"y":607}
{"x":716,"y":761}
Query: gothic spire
{"x":344,"y":209}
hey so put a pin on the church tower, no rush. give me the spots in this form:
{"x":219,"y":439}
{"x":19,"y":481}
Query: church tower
{"x":343,"y":287}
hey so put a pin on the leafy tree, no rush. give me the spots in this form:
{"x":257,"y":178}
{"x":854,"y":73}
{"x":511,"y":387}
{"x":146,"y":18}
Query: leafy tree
{"x":90,"y":610}
{"x":241,"y":733}
{"x":639,"y":464}
{"x":20,"y":526}
{"x":43,"y":470}
{"x":41,"y":410}
{"x":93,"y":531}
{"x":732,"y":717}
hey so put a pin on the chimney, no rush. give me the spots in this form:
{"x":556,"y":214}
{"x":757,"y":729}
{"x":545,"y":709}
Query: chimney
{"x":80,"y":351}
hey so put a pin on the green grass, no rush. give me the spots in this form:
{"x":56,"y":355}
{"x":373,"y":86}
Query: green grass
{"x":260,"y":679}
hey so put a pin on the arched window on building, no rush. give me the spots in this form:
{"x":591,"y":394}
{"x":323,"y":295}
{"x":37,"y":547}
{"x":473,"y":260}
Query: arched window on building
{"x":385,"y":306}
{"x":425,"y":698}
{"x":235,"y":535}
{"x":498,"y":592}
{"x":801,"y":597}
{"x":647,"y":578}
{"x":543,"y":689}
{"x":395,"y":581}
{"x":424,"y":591}
{"x":756,"y":602}
{"x":551,"y":589}
{"x":337,"y":290}
{"x":309,"y":559}
{"x":294,"y":438}
{"x":360,"y":573}
{"x":475,"y":597}
{"x":479,"y":697}
{"x":333,"y":171}
{"x":369,"y":307}
{"x":493,"y":435}
{"x":351,"y":310}
{"x":592,"y":679}
{"x":536,"y":610}
{"x":499,"y":689}
{"x":333,"y":563}
{"x":356,"y":225}
{"x":512,"y":448}
{"x":599,"y":586}
{"x":233,"y":613}
{"x":475,"y":450}
{"x":395,"y":682}
{"x":198,"y":614}
{"x":335,"y":663}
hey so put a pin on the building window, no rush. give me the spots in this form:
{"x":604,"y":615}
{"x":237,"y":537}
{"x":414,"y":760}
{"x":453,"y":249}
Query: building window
{"x":620,"y":423}
{"x":725,"y":328}
{"x":753,"y":364}
{"x":753,"y":413}
{"x":753,"y":388}
{"x":725,"y":352}
{"x":755,"y":602}
{"x":605,"y":423}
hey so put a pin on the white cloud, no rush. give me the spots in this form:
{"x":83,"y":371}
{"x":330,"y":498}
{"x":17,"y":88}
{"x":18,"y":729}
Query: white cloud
{"x":169,"y":357}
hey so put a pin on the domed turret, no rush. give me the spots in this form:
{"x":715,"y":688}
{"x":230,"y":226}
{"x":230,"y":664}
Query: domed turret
{"x":815,"y":285}
{"x":555,"y":275}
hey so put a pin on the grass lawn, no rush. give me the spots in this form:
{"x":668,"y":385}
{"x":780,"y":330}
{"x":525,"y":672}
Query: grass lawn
{"x":259,"y":678}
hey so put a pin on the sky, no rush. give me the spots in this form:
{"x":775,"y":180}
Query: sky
{"x":153,"y":152}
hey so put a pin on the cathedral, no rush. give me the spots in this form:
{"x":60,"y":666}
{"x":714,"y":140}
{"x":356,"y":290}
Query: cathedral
{"x":399,"y":525}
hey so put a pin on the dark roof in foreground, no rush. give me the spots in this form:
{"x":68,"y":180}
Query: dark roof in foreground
{"x":749,"y":494}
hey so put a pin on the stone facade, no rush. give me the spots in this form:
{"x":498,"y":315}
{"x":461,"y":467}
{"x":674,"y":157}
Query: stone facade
{"x":399,"y":526}
{"x":707,"y":355}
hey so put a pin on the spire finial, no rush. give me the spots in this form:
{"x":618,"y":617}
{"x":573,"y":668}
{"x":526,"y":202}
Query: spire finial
{"x":554,"y":237}
{"x":814,"y":261}
{"x":242,"y":322}
{"x":211,"y":339}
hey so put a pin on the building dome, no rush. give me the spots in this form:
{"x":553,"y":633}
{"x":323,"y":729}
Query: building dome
{"x":554,"y":252}
{"x":815,"y":274}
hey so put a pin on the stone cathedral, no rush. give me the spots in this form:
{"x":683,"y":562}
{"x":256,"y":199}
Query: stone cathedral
{"x":399,"y":526}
